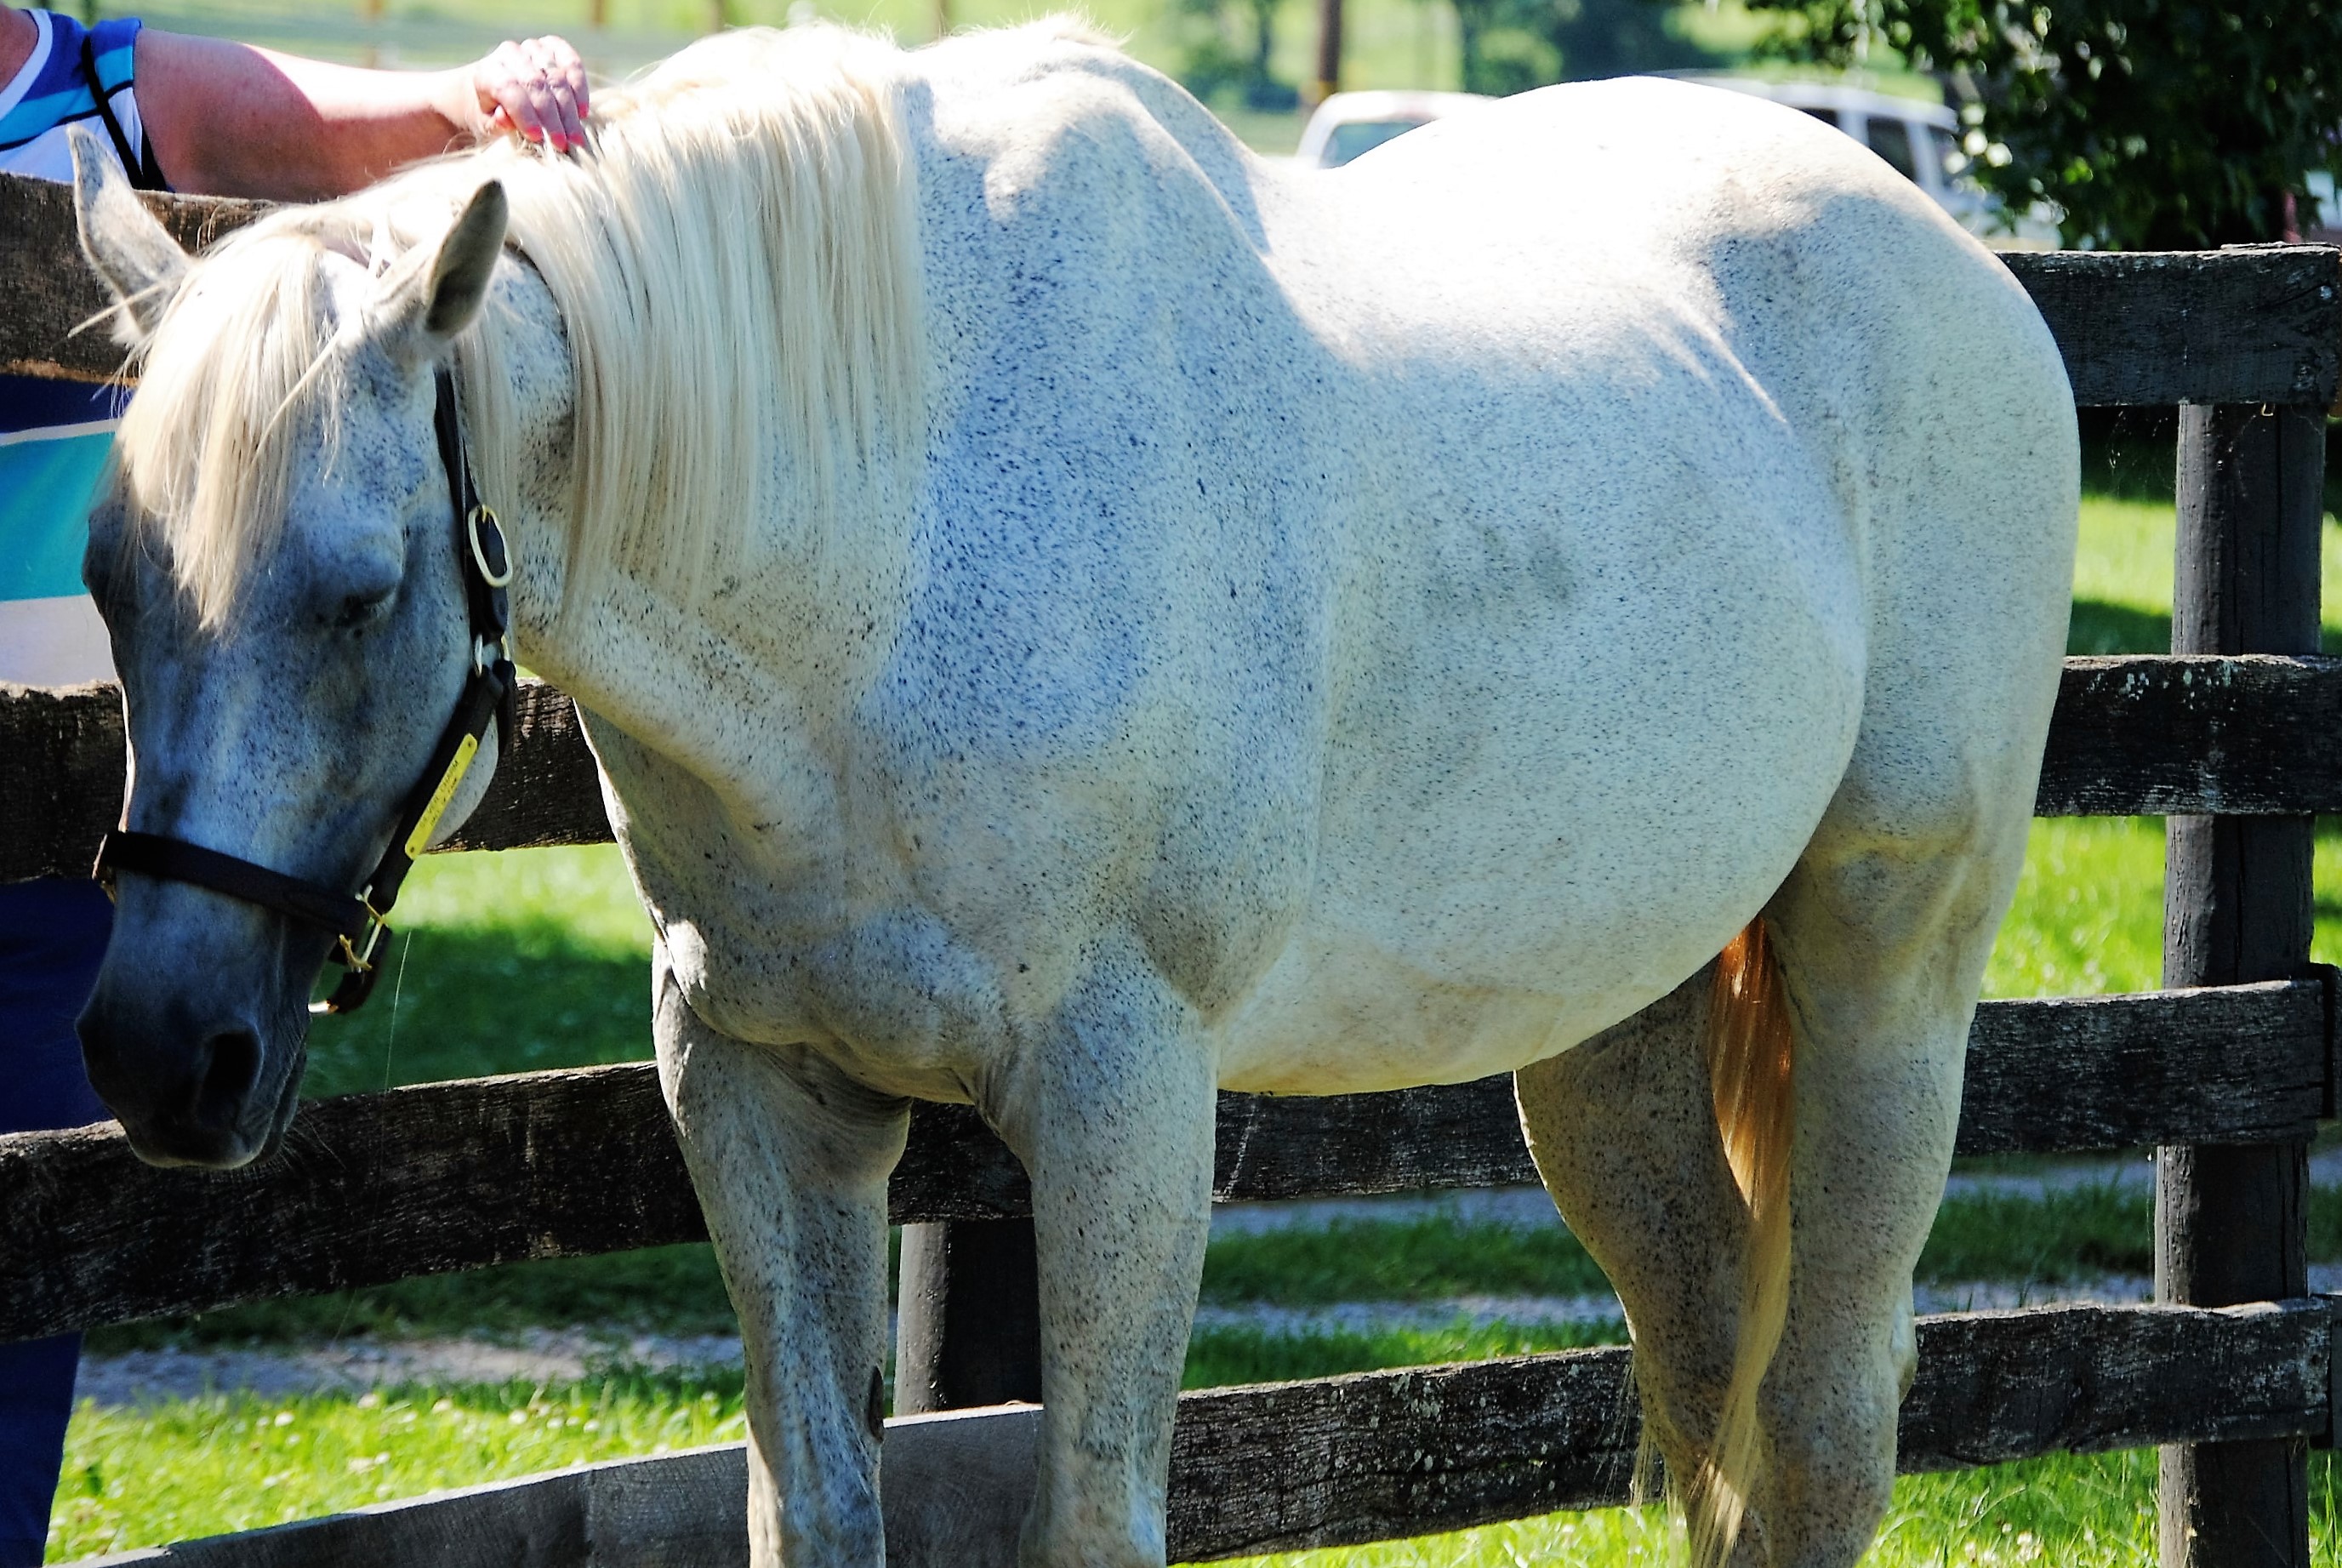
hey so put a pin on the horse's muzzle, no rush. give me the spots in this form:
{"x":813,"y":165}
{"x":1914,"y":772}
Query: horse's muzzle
{"x":189,"y":1089}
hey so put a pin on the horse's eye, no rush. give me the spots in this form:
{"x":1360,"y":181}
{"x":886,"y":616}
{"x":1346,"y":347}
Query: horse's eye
{"x":359,"y":611}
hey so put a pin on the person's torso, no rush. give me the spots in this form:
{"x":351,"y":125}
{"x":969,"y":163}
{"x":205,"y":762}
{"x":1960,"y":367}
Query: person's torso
{"x":55,"y":434}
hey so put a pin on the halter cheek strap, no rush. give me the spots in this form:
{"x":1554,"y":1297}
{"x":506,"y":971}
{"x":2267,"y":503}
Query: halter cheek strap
{"x":357,"y":922}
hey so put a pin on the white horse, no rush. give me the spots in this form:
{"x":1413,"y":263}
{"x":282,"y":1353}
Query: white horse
{"x":1073,"y":617}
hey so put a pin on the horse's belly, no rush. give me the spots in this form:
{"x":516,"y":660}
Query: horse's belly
{"x":1537,"y":823}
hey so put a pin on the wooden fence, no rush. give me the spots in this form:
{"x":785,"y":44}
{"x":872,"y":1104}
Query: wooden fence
{"x":2238,"y":739}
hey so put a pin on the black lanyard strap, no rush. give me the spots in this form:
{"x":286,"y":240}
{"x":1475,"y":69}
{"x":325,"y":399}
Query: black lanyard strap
{"x":137,"y":162}
{"x":357,"y":922}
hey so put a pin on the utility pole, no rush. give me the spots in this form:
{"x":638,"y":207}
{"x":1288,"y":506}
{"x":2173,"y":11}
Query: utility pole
{"x":1329,"y":52}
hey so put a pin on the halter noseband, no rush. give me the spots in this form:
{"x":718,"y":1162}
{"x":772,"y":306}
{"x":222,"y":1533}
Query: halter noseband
{"x":357,"y":923}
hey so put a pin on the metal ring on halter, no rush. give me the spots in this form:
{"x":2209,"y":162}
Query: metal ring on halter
{"x":500,"y":574}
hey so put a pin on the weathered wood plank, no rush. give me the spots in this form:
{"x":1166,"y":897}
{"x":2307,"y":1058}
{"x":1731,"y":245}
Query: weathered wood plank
{"x":63,"y":758}
{"x":448,"y":1176}
{"x":2149,"y":735}
{"x":52,"y":293}
{"x":2140,"y":329}
{"x":2138,"y":735}
{"x":2221,"y":1064}
{"x":1340,"y":1462}
{"x":2150,"y":328}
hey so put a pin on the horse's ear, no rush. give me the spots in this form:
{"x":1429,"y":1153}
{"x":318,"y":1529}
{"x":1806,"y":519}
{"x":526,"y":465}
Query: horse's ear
{"x":424,"y":308}
{"x":140,"y":265}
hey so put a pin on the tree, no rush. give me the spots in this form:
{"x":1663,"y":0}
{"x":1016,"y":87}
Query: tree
{"x":1511,"y":44}
{"x":1214,"y":64}
{"x":2148,"y":124}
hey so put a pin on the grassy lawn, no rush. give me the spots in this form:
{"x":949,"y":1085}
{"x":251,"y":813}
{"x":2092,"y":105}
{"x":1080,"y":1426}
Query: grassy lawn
{"x":200,"y":1467}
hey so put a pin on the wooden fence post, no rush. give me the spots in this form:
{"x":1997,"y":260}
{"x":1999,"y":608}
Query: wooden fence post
{"x":968,"y":1316}
{"x":2231,"y":1222}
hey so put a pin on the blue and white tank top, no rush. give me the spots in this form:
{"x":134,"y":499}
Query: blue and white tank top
{"x":53,"y":90}
{"x":55,"y":434}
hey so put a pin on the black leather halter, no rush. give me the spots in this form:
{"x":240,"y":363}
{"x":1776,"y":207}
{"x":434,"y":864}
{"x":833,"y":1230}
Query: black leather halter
{"x":357,"y":922}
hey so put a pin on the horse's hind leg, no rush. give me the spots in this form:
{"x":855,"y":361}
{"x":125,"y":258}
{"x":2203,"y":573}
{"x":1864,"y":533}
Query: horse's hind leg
{"x":1623,"y":1129}
{"x":1883,"y":932}
{"x":791,"y":1159}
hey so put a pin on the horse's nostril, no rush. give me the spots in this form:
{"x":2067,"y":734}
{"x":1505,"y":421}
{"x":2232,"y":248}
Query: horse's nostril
{"x":231,"y":1067}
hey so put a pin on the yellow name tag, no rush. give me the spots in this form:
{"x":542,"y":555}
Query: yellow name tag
{"x":420,"y":839}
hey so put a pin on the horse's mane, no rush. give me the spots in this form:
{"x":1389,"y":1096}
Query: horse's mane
{"x":737,"y":268}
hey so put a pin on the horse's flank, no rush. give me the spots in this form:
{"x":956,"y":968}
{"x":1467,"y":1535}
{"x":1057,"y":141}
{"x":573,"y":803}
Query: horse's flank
{"x":709,"y":373}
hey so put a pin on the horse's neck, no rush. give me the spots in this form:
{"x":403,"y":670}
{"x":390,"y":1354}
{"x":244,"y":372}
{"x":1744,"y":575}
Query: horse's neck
{"x":671,"y":673}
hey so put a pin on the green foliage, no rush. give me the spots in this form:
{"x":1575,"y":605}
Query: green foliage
{"x":2151,"y":125}
{"x":1215,"y":65}
{"x":1509,"y":45}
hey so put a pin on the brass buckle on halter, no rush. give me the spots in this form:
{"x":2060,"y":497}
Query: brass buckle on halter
{"x":359,"y":961}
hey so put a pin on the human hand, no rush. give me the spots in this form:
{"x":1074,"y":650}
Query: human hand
{"x":536,"y":90}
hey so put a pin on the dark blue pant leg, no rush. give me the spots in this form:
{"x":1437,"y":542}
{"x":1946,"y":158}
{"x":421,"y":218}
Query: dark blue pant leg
{"x":52,"y":935}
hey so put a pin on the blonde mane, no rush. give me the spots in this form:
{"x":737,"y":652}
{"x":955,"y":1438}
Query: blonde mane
{"x":736,"y":263}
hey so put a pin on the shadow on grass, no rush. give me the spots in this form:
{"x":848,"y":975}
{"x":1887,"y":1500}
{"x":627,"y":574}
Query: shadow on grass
{"x":465,"y":1003}
{"x":2099,"y":627}
{"x":659,"y":1290}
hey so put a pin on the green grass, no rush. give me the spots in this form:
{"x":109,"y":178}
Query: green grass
{"x":502,"y":963}
{"x":203,"y":1466}
{"x":1221,"y":1357}
{"x":1418,"y":1260}
{"x":2086,"y":1512}
{"x":2075,"y":1234}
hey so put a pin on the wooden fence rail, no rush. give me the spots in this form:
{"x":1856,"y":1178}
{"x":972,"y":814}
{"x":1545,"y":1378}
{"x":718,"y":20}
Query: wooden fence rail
{"x":2144,"y":735}
{"x":439,"y":1177}
{"x":1339,"y":1462}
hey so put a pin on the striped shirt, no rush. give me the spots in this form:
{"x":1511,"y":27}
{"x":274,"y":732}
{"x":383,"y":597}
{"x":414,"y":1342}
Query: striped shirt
{"x":55,"y":434}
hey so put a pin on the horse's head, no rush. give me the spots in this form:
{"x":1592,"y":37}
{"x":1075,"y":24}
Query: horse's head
{"x":272,"y":556}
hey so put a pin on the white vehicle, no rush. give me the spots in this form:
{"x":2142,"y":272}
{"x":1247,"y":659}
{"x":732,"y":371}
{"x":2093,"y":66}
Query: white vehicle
{"x":1348,"y":123}
{"x":1920,"y":140}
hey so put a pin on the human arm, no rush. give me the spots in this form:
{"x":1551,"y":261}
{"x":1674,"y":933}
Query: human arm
{"x":230,"y":119}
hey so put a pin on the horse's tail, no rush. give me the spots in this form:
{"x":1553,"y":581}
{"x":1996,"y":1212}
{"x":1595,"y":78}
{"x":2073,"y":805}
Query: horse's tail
{"x":1749,"y":1047}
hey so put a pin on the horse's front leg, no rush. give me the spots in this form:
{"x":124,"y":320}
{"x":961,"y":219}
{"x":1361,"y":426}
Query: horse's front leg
{"x":1112,"y":1110}
{"x":791,"y":1159}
